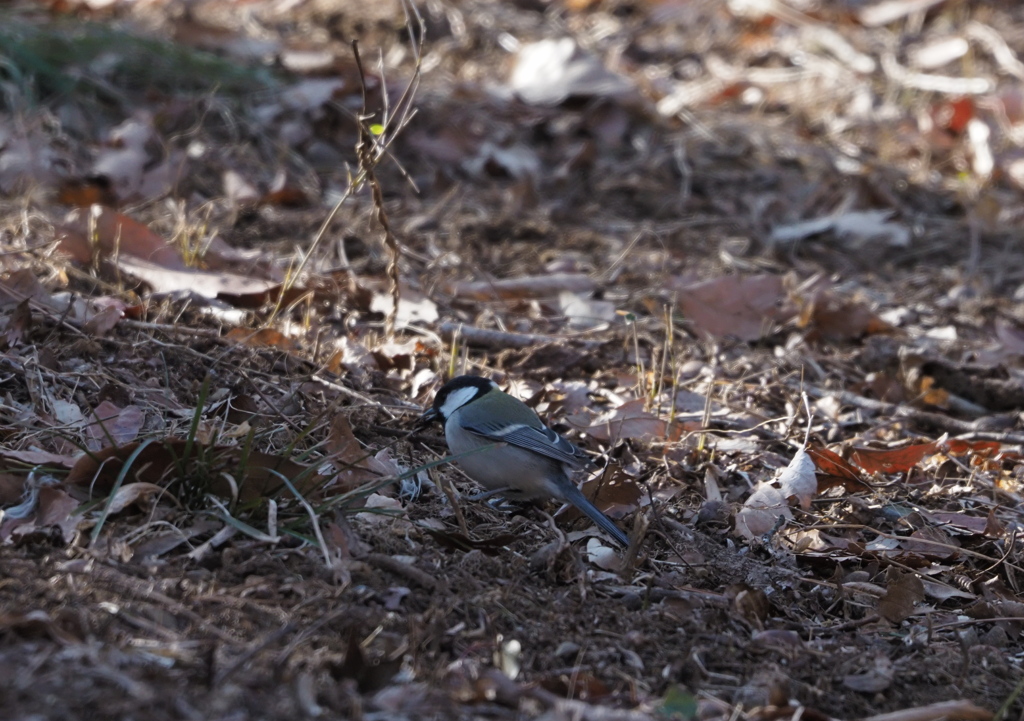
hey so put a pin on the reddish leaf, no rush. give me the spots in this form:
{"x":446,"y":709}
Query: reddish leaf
{"x":83,"y":193}
{"x":283,"y":192}
{"x":113,"y":233}
{"x":832,"y":463}
{"x":829,"y":317}
{"x":579,"y":685}
{"x":957,"y":447}
{"x":264,"y":338}
{"x":953,"y":115}
{"x":834,"y":470}
{"x":895,"y":460}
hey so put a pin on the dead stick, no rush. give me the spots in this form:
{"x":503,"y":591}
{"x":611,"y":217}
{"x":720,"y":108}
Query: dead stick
{"x":367,"y":161}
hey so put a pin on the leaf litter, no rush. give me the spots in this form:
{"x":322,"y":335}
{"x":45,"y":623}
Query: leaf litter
{"x":660,"y":226}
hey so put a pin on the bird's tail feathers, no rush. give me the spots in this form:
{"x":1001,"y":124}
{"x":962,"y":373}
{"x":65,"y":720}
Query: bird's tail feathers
{"x":573,"y":495}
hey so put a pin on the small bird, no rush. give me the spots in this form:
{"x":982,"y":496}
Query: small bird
{"x":531,"y":460}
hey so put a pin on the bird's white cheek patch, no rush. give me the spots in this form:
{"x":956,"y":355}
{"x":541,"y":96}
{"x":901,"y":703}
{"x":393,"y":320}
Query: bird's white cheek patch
{"x":456,"y":399}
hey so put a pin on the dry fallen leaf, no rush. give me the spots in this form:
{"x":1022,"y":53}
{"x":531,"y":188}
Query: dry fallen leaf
{"x":742,"y":307}
{"x":351,"y":357}
{"x":761,"y":511}
{"x":854,"y":228}
{"x":103,"y":229}
{"x":110,"y":425}
{"x":18,"y":324}
{"x":550,"y":71}
{"x":132,"y":493}
{"x":835,"y":471}
{"x":103,"y":321}
{"x":22,"y":285}
{"x":54,"y":508}
{"x":798,"y":479}
{"x":238,"y":190}
{"x":903,"y":590}
{"x":826,"y":316}
{"x":204,"y":283}
{"x":384,"y":509}
{"x":34,"y":457}
{"x":602,"y":556}
{"x":629,"y":420}
{"x":129,"y":165}
{"x":874,"y":681}
{"x":414,"y":308}
{"x":617,"y":496}
{"x":262,"y":338}
{"x":895,"y":460}
{"x":356,"y":465}
{"x":586,"y":313}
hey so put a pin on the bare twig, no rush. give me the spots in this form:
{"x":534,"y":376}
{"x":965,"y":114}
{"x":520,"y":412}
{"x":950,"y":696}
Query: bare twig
{"x":394,"y":122}
{"x":367,"y":160}
{"x":405,"y":570}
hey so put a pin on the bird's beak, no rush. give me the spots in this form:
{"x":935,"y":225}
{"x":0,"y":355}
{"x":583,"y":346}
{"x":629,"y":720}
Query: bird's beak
{"x":428,"y":417}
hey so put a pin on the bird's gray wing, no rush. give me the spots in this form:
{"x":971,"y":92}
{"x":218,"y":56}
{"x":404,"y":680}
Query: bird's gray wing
{"x":541,"y":440}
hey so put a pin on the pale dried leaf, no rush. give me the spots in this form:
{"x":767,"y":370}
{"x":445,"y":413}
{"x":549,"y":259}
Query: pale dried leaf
{"x":586,"y":313}
{"x":386,"y":509}
{"x":874,"y":681}
{"x":204,"y":283}
{"x":552,"y":70}
{"x":414,"y":308}
{"x":854,"y":227}
{"x":67,"y":413}
{"x":761,"y":511}
{"x":518,"y":161}
{"x":602,"y":556}
{"x":798,"y":479}
{"x":132,"y":493}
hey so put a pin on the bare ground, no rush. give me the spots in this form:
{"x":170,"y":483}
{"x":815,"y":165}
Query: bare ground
{"x":205,"y":591}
